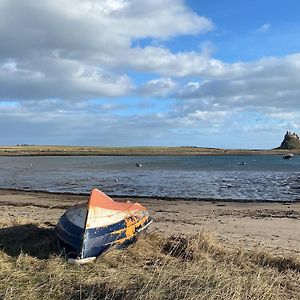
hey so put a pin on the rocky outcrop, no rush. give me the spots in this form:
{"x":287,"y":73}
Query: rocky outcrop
{"x":290,"y":141}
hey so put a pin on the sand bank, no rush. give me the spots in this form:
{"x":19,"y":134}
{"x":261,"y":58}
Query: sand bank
{"x":271,"y":225}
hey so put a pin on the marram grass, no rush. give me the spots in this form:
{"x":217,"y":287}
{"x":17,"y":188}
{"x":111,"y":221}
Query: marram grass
{"x":155,"y":267}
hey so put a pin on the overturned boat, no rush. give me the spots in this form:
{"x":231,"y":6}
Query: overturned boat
{"x":86,"y":230}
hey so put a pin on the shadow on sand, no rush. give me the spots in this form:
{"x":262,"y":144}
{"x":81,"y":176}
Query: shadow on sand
{"x":30,"y":239}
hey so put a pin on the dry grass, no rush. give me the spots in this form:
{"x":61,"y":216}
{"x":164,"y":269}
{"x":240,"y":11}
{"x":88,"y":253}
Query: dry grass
{"x":154,"y":268}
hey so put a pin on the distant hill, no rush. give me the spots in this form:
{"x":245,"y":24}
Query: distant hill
{"x":290,"y":141}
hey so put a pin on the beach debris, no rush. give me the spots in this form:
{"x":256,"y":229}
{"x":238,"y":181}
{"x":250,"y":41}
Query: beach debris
{"x":86,"y":230}
{"x":116,"y":180}
{"x":138,"y":165}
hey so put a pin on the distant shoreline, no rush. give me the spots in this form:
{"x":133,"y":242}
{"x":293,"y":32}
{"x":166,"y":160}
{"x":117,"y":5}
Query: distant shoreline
{"x":131,"y":151}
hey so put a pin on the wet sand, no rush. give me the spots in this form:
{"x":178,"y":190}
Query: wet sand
{"x":275,"y":226}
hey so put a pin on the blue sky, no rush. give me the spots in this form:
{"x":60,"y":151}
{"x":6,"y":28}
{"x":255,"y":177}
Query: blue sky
{"x":153,"y":72}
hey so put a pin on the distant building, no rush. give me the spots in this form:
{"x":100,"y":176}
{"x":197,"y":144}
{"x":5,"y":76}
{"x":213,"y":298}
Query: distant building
{"x":290,"y":141}
{"x":291,"y":136}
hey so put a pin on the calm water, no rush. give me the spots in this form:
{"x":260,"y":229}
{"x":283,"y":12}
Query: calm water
{"x":216,"y":177}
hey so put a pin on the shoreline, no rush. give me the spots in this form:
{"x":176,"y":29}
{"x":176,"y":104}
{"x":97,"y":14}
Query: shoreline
{"x":234,"y":153}
{"x":274,"y":226}
{"x":11,"y":151}
{"x":164,"y":198}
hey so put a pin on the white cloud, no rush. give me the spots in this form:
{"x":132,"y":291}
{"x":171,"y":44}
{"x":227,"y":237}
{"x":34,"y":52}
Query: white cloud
{"x":264,"y":84}
{"x":263,"y":28}
{"x":162,"y":61}
{"x":206,"y":115}
{"x":58,"y":55}
{"x":59,"y":78}
{"x":161,"y":87}
{"x":82,"y":48}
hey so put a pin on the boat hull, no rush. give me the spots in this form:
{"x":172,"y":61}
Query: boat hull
{"x":70,"y":237}
{"x":98,"y":240}
{"x":88,"y":230}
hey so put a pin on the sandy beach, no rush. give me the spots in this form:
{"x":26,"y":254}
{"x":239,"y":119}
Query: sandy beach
{"x":273,"y":226}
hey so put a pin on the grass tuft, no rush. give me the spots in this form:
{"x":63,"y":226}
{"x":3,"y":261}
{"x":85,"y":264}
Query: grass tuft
{"x":155,"y":267}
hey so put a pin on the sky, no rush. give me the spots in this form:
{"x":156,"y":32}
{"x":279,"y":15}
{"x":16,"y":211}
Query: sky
{"x":149,"y":73}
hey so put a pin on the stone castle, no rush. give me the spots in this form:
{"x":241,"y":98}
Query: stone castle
{"x":290,"y":141}
{"x":291,"y":136}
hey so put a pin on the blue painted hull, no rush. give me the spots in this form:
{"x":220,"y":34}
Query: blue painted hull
{"x":70,"y":237}
{"x":87,"y":230}
{"x":80,"y":243}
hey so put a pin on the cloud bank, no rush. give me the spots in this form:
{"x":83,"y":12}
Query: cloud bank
{"x":70,"y":71}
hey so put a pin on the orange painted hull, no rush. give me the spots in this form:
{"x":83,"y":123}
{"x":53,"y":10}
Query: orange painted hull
{"x":90,"y":229}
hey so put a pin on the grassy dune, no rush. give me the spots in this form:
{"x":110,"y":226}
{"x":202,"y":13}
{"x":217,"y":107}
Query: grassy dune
{"x":89,"y":151}
{"x":155,"y":267}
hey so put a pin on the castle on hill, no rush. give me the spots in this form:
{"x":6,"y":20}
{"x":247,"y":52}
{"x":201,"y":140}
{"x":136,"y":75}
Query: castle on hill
{"x":291,"y":136}
{"x":290,"y":141}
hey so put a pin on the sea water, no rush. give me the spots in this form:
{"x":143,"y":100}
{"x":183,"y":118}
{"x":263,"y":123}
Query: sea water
{"x":253,"y":177}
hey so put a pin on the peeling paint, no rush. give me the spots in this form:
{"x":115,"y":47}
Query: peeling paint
{"x":100,"y":224}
